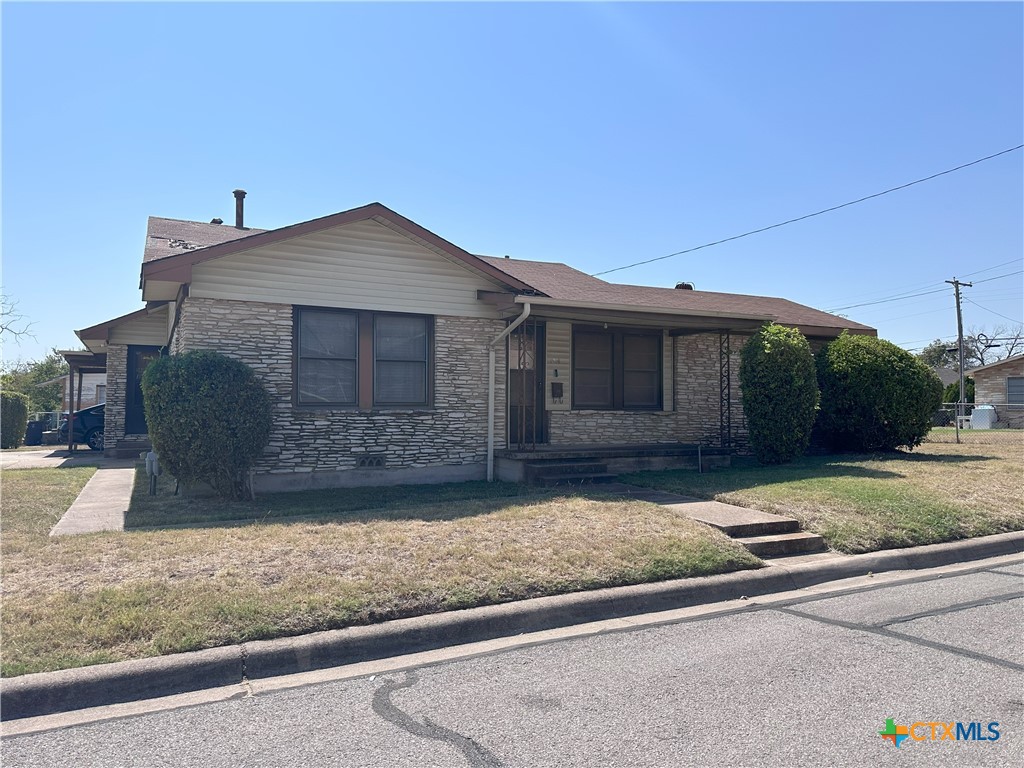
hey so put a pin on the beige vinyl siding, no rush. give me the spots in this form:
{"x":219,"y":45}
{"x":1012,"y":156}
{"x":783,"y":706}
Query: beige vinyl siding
{"x":667,"y":367}
{"x":151,"y":329}
{"x":559,"y":357}
{"x":363,"y":265}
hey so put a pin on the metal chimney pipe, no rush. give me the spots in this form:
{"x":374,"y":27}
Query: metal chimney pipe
{"x":239,"y":205}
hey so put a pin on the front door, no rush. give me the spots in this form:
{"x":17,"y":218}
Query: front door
{"x":526,"y":415}
{"x":139,"y":357}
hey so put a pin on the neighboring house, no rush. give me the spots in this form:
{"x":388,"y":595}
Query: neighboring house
{"x":948,"y":376}
{"x":93,"y":390}
{"x":393,"y":355}
{"x":1002,"y":385}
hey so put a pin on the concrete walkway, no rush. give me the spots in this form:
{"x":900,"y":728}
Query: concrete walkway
{"x":102,"y":504}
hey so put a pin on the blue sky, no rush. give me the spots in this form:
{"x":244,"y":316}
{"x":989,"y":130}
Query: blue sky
{"x":594,"y":134}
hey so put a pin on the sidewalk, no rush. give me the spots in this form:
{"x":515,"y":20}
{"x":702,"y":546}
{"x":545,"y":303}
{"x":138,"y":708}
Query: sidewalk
{"x":102,"y":504}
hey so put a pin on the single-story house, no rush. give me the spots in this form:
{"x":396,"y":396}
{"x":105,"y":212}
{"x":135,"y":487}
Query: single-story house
{"x":395,"y":356}
{"x":93,"y":390}
{"x":1002,"y":385}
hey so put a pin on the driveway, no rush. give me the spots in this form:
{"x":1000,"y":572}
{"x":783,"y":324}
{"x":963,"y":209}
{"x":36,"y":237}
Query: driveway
{"x":52,"y":458}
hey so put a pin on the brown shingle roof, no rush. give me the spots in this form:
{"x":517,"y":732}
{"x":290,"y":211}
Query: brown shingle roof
{"x":560,"y":281}
{"x":170,"y":237}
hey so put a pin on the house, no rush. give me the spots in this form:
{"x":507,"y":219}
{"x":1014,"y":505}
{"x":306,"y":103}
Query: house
{"x":395,"y":356}
{"x":93,"y":390}
{"x":1002,"y":385}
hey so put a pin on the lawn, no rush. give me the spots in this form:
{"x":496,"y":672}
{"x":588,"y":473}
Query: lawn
{"x":859,"y":503}
{"x":104,"y":597}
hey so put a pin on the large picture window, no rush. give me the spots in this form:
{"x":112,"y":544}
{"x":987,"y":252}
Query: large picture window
{"x":362,"y":359}
{"x":616,"y":370}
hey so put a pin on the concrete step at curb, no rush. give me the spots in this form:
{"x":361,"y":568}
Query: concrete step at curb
{"x":811,"y":558}
{"x":776,"y":545}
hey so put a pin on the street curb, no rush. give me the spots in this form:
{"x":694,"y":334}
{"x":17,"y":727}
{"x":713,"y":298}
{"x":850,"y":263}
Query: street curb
{"x":65,"y":690}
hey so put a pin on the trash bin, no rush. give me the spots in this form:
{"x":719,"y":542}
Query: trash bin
{"x":984,"y":417}
{"x":34,"y":433}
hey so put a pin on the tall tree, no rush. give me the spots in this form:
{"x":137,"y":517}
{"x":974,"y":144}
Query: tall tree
{"x":13,"y":325}
{"x":26,"y":377}
{"x":981,"y":347}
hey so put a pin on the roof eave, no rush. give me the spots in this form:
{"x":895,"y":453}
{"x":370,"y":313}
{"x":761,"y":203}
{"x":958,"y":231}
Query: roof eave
{"x":670,"y":311}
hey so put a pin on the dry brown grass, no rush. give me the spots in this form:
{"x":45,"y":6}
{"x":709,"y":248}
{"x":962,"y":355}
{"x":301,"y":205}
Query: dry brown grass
{"x":113,"y":596}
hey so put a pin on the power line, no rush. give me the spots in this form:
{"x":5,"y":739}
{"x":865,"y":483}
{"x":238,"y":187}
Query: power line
{"x":884,"y":301}
{"x":901,"y":297}
{"x":987,"y":269}
{"x":920,"y":287}
{"x":1000,"y":277}
{"x":1018,"y":322}
{"x":810,"y":215}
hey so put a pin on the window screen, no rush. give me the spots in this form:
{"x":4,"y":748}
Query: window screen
{"x":327,"y":357}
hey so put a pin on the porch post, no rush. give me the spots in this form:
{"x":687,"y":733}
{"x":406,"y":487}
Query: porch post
{"x":71,"y":406}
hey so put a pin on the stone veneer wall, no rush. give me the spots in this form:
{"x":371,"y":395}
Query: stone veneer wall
{"x":448,"y":441}
{"x":695,"y":417}
{"x":117,"y":382}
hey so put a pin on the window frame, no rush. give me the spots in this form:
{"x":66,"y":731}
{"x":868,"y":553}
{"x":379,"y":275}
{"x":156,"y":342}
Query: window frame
{"x":366,"y":361}
{"x":1014,"y":404}
{"x":618,"y":370}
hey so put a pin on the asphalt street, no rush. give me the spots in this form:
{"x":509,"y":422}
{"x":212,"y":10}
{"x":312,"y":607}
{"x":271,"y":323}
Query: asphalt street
{"x":808,"y":681}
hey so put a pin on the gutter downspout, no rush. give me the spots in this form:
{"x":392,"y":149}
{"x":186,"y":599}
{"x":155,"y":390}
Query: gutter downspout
{"x":490,"y":386}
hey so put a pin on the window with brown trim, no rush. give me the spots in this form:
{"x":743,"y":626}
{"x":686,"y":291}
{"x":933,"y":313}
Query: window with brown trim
{"x":616,"y":370}
{"x":349,"y":358}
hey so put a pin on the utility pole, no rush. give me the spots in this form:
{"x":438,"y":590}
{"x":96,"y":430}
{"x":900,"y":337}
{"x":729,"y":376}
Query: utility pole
{"x":960,"y":347}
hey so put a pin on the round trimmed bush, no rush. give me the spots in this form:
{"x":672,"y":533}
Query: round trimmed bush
{"x":874,"y":395}
{"x":209,"y":419}
{"x":13,"y":419}
{"x":780,"y":393}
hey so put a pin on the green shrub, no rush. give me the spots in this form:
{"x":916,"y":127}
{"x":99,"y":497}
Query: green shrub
{"x":951,"y":394}
{"x":874,"y":395}
{"x":13,"y":419}
{"x":208,"y":417}
{"x":780,"y":393}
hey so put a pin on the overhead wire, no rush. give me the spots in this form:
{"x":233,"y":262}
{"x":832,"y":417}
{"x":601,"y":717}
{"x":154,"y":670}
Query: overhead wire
{"x":809,"y":215}
{"x":1018,"y":322}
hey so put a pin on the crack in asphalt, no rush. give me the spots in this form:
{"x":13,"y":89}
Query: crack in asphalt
{"x":476,"y":755}
{"x":893,"y":635}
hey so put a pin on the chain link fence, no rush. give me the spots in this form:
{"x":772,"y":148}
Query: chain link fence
{"x":977,"y":425}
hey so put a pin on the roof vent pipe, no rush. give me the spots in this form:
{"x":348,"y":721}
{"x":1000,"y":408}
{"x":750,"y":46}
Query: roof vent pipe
{"x":239,"y":205}
{"x":684,"y":286}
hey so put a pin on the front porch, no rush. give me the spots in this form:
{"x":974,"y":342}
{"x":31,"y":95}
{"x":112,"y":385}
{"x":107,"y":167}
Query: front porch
{"x":602,"y":462}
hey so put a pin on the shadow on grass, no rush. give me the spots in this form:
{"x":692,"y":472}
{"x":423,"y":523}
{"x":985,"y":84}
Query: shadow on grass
{"x":448,"y":501}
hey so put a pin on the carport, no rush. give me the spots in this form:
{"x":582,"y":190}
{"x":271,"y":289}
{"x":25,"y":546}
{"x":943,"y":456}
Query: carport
{"x":80,"y":363}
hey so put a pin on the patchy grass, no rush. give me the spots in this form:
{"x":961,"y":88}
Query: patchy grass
{"x":103,"y":597}
{"x":939,"y":492}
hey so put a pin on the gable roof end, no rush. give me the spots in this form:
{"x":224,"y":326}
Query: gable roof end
{"x":177,"y":267}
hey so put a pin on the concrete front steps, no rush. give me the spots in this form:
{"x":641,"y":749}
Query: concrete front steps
{"x":763,"y":534}
{"x":127,"y":449}
{"x":567,"y":472}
